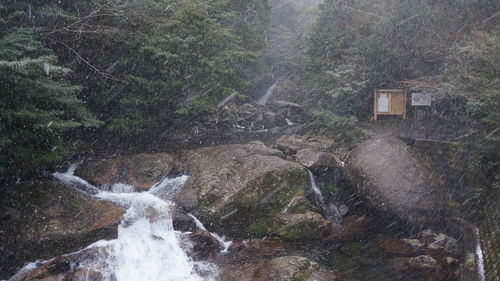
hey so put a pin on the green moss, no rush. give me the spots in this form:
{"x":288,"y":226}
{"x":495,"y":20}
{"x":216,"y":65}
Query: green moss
{"x":301,"y":276}
{"x":330,"y":188}
{"x":303,"y":273}
{"x":260,"y":227}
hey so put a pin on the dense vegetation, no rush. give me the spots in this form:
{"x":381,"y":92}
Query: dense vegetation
{"x":447,"y":48}
{"x":104,"y":72}
{"x":128,"y":69}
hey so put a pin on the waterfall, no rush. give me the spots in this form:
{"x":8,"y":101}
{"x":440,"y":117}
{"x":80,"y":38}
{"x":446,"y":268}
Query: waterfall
{"x":318,"y":196}
{"x":479,"y":256}
{"x":75,"y":182}
{"x":222,"y":240}
{"x":263,"y":100}
{"x":147,"y":247}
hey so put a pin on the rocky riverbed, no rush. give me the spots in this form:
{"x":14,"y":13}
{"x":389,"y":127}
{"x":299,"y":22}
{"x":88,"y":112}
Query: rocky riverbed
{"x":291,"y":210}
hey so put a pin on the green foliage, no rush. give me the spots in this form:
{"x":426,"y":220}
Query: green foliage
{"x":358,"y":46}
{"x":472,"y":74}
{"x":144,"y":66}
{"x":341,"y":128}
{"x":37,"y":108}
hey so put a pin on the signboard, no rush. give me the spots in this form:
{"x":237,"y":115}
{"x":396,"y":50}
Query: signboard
{"x":421,"y":99}
{"x":383,"y":103}
{"x":389,"y":102}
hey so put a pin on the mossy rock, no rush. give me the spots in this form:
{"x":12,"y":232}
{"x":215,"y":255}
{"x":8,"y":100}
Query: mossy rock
{"x":241,"y":187}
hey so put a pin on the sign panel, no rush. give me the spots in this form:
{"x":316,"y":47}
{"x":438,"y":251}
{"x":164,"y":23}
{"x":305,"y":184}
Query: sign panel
{"x":383,"y":103}
{"x":421,"y":99}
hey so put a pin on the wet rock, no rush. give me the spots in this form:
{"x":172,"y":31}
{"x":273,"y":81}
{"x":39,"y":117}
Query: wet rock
{"x":444,"y":245}
{"x":253,"y":248}
{"x":420,"y":263}
{"x":314,"y":159}
{"x":427,"y":236}
{"x":287,"y":268}
{"x":64,"y":268}
{"x":414,"y":244}
{"x":204,"y":245}
{"x":299,"y":205}
{"x":400,"y":246}
{"x":272,"y":120}
{"x":423,"y":262}
{"x":250,"y":178}
{"x":181,"y":221}
{"x":290,"y":144}
{"x":300,"y":226}
{"x":333,"y":214}
{"x":400,"y":263}
{"x":343,"y":209}
{"x":139,"y":170}
{"x":392,"y":179}
{"x":47,"y":219}
{"x":451,"y":261}
{"x":352,"y":227}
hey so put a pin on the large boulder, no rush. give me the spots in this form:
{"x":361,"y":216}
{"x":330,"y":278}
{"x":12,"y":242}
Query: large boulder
{"x":294,"y":226}
{"x":242,"y":187}
{"x":69,"y":267}
{"x":316,"y":159}
{"x":290,"y":144}
{"x":287,"y":268}
{"x":140,"y":170}
{"x":44,"y":219}
{"x":393,"y":179}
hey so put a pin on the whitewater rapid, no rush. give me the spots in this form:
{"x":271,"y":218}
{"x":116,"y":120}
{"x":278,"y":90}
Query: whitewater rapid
{"x":147,"y":248}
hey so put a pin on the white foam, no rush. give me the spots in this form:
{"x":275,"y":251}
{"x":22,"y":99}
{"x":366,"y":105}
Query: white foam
{"x":479,"y":257}
{"x":222,"y":240}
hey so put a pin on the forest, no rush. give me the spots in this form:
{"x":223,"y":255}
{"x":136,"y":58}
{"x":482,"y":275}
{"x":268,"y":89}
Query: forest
{"x":255,"y":116}
{"x":121,"y":73}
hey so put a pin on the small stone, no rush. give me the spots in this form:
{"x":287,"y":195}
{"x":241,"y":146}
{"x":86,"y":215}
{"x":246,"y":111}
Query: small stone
{"x":470,"y":262}
{"x":344,"y":210}
{"x":400,"y":263}
{"x":451,"y":261}
{"x":414,"y":244}
{"x":423,"y":262}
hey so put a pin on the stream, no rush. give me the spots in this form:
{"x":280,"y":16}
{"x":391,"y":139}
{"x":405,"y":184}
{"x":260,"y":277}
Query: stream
{"x":147,"y":248}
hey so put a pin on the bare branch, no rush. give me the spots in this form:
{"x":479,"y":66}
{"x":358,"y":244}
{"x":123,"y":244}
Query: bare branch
{"x":107,"y":76}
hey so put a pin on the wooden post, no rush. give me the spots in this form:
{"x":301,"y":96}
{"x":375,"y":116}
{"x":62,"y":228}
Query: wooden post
{"x":404,"y":104}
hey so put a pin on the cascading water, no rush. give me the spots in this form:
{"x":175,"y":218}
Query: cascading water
{"x":479,"y":256}
{"x":318,"y":196}
{"x":147,"y":247}
{"x":265,"y":98}
{"x":222,"y":240}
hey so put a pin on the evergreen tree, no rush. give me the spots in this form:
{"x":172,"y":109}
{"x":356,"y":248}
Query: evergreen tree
{"x":38,"y":109}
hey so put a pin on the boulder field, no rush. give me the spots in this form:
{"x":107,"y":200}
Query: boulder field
{"x":249,"y":192}
{"x":241,"y":190}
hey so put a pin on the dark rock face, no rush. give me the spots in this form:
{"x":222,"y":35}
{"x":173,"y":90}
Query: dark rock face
{"x":45,"y":219}
{"x":392,"y":179}
{"x":181,"y":221}
{"x":204,"y":245}
{"x":139,"y":170}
